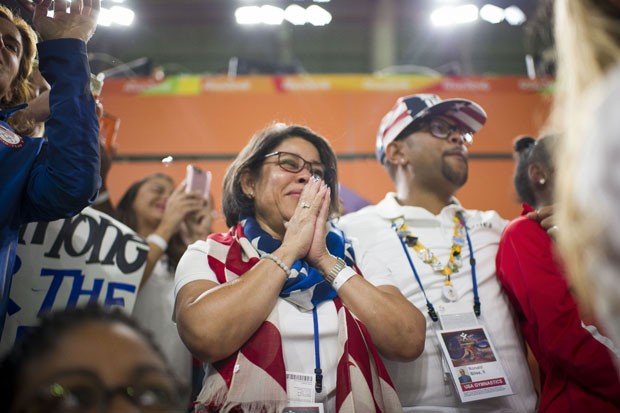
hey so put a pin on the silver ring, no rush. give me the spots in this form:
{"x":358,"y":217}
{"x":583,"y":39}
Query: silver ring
{"x":305,"y":205}
{"x":316,"y":178}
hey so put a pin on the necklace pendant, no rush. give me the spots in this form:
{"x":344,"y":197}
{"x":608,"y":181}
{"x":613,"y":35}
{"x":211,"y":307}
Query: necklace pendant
{"x":458,"y":261}
{"x":424,"y":255}
{"x":449,"y":292}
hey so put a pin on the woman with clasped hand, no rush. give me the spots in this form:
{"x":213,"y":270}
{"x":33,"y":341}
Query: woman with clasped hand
{"x":277,"y":305}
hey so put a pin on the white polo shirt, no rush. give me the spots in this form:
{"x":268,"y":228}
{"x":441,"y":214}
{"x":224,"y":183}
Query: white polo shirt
{"x":420,"y":384}
{"x":296,"y":326}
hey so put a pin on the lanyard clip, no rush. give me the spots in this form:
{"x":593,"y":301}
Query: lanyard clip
{"x":319,"y":380}
{"x":431,"y":312}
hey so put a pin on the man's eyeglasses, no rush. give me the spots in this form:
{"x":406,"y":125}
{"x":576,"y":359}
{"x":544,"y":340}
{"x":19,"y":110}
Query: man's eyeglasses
{"x":441,"y":129}
{"x":80,"y":391}
{"x":295,"y":163}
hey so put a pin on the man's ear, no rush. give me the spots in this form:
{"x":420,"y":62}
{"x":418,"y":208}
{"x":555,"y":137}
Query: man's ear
{"x":394,"y":153}
{"x":247,"y":182}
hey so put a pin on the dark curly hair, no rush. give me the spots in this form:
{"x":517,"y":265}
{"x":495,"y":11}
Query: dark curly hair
{"x":39,"y":341}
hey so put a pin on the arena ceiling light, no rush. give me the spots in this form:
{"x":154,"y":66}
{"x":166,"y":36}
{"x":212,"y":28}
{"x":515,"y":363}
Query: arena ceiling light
{"x":452,"y":15}
{"x":272,"y":15}
{"x":318,"y":16}
{"x":114,"y":15}
{"x":491,"y":13}
{"x":122,"y":15}
{"x":467,"y":13}
{"x":248,"y":15}
{"x":514,"y":16}
{"x":294,"y":14}
{"x":266,"y":14}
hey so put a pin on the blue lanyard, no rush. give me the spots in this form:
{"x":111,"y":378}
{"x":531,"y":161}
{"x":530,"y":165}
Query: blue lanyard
{"x":472,"y":261}
{"x":317,"y":357}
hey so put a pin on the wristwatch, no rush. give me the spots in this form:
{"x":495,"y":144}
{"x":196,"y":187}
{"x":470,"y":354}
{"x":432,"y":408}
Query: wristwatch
{"x":340,"y":264}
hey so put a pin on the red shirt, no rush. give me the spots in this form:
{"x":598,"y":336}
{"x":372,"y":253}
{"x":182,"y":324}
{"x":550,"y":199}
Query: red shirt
{"x":577,"y":371}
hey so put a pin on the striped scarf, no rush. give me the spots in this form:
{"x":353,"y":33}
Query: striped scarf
{"x":254,"y":378}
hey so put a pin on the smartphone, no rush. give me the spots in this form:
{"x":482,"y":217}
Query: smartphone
{"x":198,"y":180}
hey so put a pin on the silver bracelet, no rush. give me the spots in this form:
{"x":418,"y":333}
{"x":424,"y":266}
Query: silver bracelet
{"x":277,"y":260}
{"x":340,"y":264}
{"x":157,"y":240}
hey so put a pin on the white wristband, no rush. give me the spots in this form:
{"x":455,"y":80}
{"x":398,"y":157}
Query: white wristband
{"x":343,"y":276}
{"x":157,"y":240}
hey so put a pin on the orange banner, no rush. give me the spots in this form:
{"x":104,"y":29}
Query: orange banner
{"x":214,"y":116}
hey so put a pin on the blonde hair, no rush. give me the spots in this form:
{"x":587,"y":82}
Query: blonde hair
{"x":20,"y":87}
{"x":587,"y":34}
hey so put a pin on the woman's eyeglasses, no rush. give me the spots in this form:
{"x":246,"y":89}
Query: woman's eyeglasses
{"x":441,"y":129}
{"x":295,"y":163}
{"x":83,"y":391}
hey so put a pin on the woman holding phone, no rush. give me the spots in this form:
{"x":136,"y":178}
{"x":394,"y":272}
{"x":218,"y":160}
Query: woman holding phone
{"x":168,"y":218}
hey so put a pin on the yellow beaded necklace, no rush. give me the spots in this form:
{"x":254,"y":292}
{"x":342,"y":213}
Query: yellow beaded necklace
{"x":454,"y":262}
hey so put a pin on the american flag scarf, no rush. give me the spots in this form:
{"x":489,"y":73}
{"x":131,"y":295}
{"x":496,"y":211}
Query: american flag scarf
{"x":254,"y":378}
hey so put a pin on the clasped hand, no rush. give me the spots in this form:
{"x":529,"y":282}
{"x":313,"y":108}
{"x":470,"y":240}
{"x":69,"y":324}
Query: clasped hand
{"x":305,"y":232}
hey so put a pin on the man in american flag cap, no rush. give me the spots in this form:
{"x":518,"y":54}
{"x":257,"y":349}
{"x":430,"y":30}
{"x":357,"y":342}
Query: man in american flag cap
{"x":441,"y":255}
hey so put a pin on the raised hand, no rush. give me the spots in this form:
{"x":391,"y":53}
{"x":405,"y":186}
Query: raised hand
{"x":178,"y":207}
{"x":199,"y":224}
{"x":79,"y":23}
{"x":545,"y":217}
{"x":318,"y":250}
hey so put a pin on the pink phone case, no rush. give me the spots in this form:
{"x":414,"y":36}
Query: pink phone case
{"x":198,"y":180}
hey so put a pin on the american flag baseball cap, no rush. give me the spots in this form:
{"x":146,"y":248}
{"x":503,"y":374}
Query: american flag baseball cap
{"x":409,"y":110}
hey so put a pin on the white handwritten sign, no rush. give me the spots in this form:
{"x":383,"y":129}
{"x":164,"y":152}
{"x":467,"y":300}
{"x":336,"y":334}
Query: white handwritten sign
{"x":71,"y":262}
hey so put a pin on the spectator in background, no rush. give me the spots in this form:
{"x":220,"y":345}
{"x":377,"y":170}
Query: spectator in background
{"x":88,"y":359}
{"x":157,"y":211}
{"x":577,"y":371}
{"x":587,"y":104}
{"x":45,"y":181}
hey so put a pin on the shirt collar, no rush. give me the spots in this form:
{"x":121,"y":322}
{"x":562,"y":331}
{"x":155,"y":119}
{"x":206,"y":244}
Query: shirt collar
{"x":389,"y":208}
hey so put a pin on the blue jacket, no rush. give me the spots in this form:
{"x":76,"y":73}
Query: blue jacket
{"x":45,"y":181}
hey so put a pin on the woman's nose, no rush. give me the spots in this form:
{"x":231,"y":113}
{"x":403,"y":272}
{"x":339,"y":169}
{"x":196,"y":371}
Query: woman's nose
{"x":304,"y":175}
